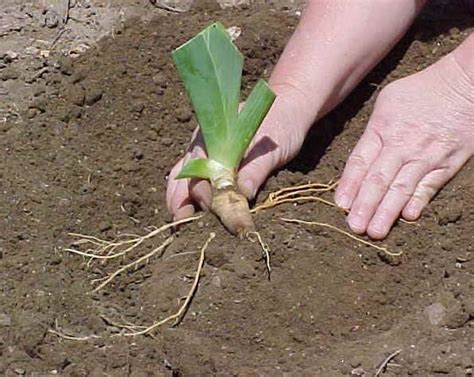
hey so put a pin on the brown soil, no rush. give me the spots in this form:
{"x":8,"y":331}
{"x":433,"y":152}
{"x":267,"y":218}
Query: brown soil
{"x":106,"y":128}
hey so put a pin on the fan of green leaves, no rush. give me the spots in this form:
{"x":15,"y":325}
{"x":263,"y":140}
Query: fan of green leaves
{"x":210,"y":66}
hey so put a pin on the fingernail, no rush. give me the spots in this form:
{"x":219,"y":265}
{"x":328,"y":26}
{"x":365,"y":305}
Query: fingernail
{"x":379,"y":228}
{"x":203,"y":206}
{"x":248,"y":189}
{"x":356,"y":223}
{"x":343,"y":201}
{"x":412,"y":211}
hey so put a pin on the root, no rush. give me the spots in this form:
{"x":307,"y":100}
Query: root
{"x":358,"y":239}
{"x":297,"y":194}
{"x":386,"y":362}
{"x":232,"y":208}
{"x":103,"y":249}
{"x":57,"y":331}
{"x":159,"y":249}
{"x":265,"y":250}
{"x":179,"y":315}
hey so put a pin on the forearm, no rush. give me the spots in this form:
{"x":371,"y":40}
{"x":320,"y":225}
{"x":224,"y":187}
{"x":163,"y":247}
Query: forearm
{"x":335,"y":45}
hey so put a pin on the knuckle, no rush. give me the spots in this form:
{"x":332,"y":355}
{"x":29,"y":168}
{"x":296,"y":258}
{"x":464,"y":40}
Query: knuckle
{"x":378,"y":179}
{"x":425,"y":191}
{"x":357,"y":161}
{"x":401,"y":188}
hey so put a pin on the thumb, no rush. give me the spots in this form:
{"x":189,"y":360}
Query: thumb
{"x":277,"y":141}
{"x":254,"y":172}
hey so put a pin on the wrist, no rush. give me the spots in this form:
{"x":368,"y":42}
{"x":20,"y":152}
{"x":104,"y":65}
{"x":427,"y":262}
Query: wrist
{"x":301,"y":108}
{"x":463,"y":56}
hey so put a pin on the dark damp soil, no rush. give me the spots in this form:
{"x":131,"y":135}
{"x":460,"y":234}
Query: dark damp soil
{"x":91,"y":156}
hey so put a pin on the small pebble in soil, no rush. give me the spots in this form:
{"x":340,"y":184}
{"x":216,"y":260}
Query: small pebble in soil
{"x":5,"y":320}
{"x":358,"y":372}
{"x":9,"y":73}
{"x":65,"y":66}
{"x":217,"y":259}
{"x":50,"y":20}
{"x":167,"y":141}
{"x":75,"y":113}
{"x":468,"y":305}
{"x":450,"y":214}
{"x":64,"y":202}
{"x":10,"y":56}
{"x":151,"y":135}
{"x":105,"y":226}
{"x":78,"y":77}
{"x":216,"y":281}
{"x":184,"y":115}
{"x":138,"y":107}
{"x":87,"y":188}
{"x":76,"y":95}
{"x":39,"y":103}
{"x":32,"y":113}
{"x":93,"y":96}
{"x":137,"y":153}
{"x":456,"y":318}
{"x":160,"y":80}
{"x":435,"y":312}
{"x":38,"y":90}
{"x":131,"y":166}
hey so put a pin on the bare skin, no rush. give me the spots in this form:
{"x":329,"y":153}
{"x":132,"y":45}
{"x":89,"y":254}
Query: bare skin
{"x":419,"y":136}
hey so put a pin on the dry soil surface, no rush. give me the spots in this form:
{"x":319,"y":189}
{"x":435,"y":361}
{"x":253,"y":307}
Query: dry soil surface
{"x":88,"y":133}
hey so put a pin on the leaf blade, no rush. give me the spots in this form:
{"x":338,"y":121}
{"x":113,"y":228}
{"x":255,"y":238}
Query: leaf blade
{"x":197,"y":168}
{"x":210,"y":66}
{"x":250,"y":118}
{"x":203,"y":168}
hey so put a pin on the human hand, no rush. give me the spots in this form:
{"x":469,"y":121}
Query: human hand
{"x":278,"y":140}
{"x":419,"y":136}
{"x":319,"y":66}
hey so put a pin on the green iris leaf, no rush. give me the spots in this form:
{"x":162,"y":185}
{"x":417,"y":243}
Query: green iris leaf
{"x":210,"y":66}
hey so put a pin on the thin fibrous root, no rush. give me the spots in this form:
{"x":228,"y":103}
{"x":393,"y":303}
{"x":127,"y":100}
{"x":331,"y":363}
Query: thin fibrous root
{"x":70,"y":337}
{"x":128,"y":326}
{"x":159,"y":249}
{"x":128,"y":244}
{"x":265,"y":249}
{"x":386,"y":361}
{"x":57,"y":331}
{"x":179,"y":315}
{"x":358,"y":239}
{"x":297,"y":194}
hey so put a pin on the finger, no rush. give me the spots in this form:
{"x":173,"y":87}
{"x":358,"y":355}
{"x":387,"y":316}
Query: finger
{"x":172,"y":184}
{"x":254,"y":173}
{"x":183,"y":212}
{"x":397,"y":196}
{"x":430,"y":185}
{"x":180,"y":203}
{"x":361,"y":158}
{"x":201,"y":193}
{"x":373,"y":188}
{"x":199,"y":190}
